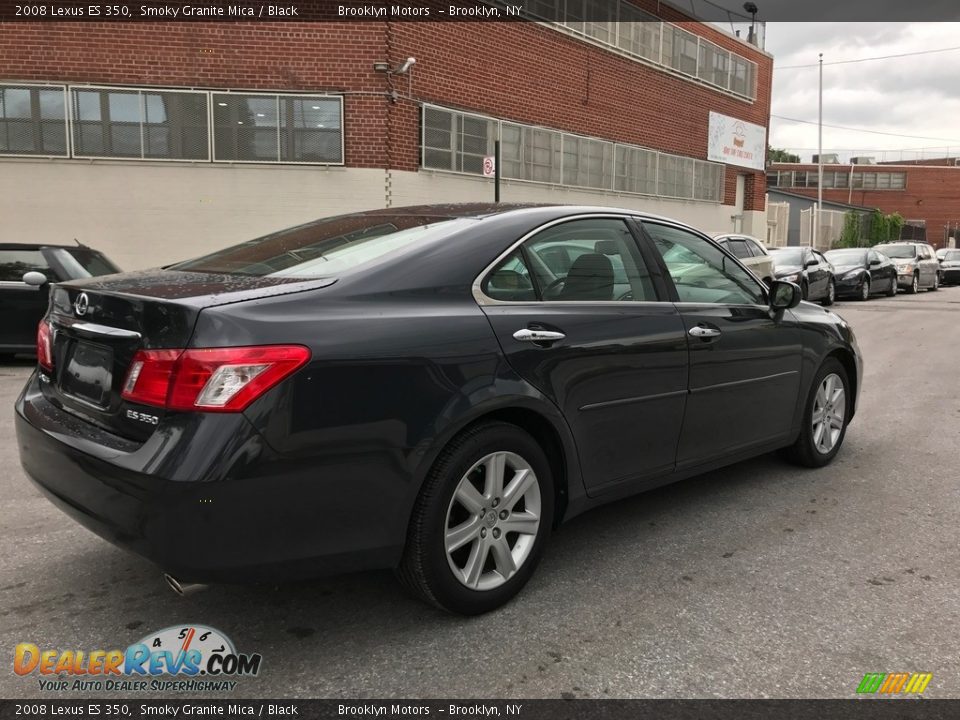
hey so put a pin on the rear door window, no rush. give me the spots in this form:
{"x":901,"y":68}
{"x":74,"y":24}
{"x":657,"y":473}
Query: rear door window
{"x":14,"y":263}
{"x":587,"y":260}
{"x":739,"y":248}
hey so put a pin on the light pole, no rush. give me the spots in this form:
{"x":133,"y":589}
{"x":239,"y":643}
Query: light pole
{"x":816,"y":226}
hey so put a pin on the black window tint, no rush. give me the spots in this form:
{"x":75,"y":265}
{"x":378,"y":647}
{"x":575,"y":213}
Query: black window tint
{"x":590,"y":260}
{"x":511,"y":281}
{"x":700,"y":272}
{"x":739,"y":248}
{"x":14,"y":263}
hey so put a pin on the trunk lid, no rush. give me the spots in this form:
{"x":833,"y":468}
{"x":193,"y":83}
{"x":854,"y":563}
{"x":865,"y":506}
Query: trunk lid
{"x":98,"y":325}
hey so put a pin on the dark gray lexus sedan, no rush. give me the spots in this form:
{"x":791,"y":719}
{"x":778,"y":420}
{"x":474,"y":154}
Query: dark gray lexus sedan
{"x":430,"y":389}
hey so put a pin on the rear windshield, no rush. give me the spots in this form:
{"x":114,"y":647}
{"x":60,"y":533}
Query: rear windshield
{"x":847,"y":257}
{"x":327,"y":248}
{"x":898,"y":251}
{"x":83,"y":262}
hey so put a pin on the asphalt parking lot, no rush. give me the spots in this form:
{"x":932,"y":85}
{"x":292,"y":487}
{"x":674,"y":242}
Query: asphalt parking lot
{"x":760,"y":580}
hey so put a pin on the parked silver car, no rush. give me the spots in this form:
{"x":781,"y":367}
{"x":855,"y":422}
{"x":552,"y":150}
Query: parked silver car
{"x":917,"y":265}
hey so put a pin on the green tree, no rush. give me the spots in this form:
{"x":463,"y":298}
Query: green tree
{"x":776,"y":155}
{"x":850,"y":236}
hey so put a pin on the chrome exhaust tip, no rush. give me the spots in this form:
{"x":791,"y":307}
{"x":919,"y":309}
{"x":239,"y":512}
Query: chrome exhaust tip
{"x":182,"y":588}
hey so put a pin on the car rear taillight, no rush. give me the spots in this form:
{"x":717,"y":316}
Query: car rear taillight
{"x":44,"y":346}
{"x":209,"y":379}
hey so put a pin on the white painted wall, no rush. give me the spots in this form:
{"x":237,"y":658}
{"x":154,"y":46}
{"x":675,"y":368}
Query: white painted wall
{"x":144,"y":214}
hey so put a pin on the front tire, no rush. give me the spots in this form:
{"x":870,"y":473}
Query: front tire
{"x":804,"y":290}
{"x":481,"y":522}
{"x":914,"y":285}
{"x":825,"y":417}
{"x":865,"y":290}
{"x":892,"y":292}
{"x":936,"y":283}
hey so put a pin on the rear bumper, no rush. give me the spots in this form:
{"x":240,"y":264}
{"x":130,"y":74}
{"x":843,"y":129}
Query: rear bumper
{"x":206,"y":503}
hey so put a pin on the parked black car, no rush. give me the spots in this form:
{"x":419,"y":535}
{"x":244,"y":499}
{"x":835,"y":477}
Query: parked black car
{"x":950,"y":267}
{"x":25,"y":271}
{"x":917,"y":265}
{"x":860,"y":272}
{"x":809,"y":269}
{"x":430,"y":389}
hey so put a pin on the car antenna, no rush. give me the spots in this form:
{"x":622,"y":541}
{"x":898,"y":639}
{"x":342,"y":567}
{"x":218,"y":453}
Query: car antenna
{"x":79,"y":244}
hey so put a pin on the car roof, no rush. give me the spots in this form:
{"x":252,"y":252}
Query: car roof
{"x":38,"y":246}
{"x":735,"y":235}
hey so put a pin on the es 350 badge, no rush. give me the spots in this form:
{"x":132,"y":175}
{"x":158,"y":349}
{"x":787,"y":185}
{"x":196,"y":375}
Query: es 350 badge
{"x":198,"y":657}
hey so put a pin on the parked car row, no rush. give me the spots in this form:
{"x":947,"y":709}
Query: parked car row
{"x":862,"y":272}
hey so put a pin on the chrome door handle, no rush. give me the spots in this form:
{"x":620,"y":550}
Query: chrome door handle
{"x":527,"y":335}
{"x":704,"y":332}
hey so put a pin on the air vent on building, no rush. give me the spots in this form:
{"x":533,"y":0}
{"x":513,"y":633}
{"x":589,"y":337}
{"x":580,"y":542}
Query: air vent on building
{"x":863,"y":160}
{"x":828,"y":158}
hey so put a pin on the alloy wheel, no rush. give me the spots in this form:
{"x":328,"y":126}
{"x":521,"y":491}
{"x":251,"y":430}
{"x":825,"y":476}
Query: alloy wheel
{"x":492,"y":521}
{"x":915,"y":287}
{"x":865,"y":290}
{"x":829,"y":410}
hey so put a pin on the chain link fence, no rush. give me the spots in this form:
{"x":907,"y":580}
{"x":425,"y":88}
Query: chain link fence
{"x":778,"y":224}
{"x":829,"y":228}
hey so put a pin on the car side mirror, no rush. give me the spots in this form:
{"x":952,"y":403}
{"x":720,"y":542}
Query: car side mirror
{"x":875,"y":262}
{"x":34,"y":278}
{"x":784,"y":295}
{"x":811,"y":263}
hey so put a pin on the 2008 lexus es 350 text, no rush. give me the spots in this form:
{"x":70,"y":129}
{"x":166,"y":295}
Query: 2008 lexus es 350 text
{"x":431,"y":389}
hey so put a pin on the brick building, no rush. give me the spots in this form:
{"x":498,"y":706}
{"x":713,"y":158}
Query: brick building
{"x":156,"y":141}
{"x":927,"y":195}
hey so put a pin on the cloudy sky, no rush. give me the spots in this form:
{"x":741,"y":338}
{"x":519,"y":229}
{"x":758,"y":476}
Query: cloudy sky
{"x":915,"y":96}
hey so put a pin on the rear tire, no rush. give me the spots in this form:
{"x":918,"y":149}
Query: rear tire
{"x":825,"y":417}
{"x":469,"y":549}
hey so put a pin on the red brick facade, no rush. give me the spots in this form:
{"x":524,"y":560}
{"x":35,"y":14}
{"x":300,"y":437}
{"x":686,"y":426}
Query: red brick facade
{"x":521,"y":71}
{"x":932,"y":194}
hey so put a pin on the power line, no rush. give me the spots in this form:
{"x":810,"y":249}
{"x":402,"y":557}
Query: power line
{"x":860,"y":60}
{"x":863,"y":130}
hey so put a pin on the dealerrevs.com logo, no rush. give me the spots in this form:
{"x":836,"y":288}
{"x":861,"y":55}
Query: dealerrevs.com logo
{"x":184,"y":657}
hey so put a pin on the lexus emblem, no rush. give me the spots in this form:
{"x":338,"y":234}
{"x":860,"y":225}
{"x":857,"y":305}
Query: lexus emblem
{"x":81,"y":304}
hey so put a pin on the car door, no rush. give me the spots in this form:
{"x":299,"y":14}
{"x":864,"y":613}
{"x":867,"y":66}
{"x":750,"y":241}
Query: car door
{"x":881,"y":271}
{"x":822,"y":272}
{"x":599,"y":339}
{"x":744,"y":364}
{"x":929,"y":267}
{"x":23,"y":305}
